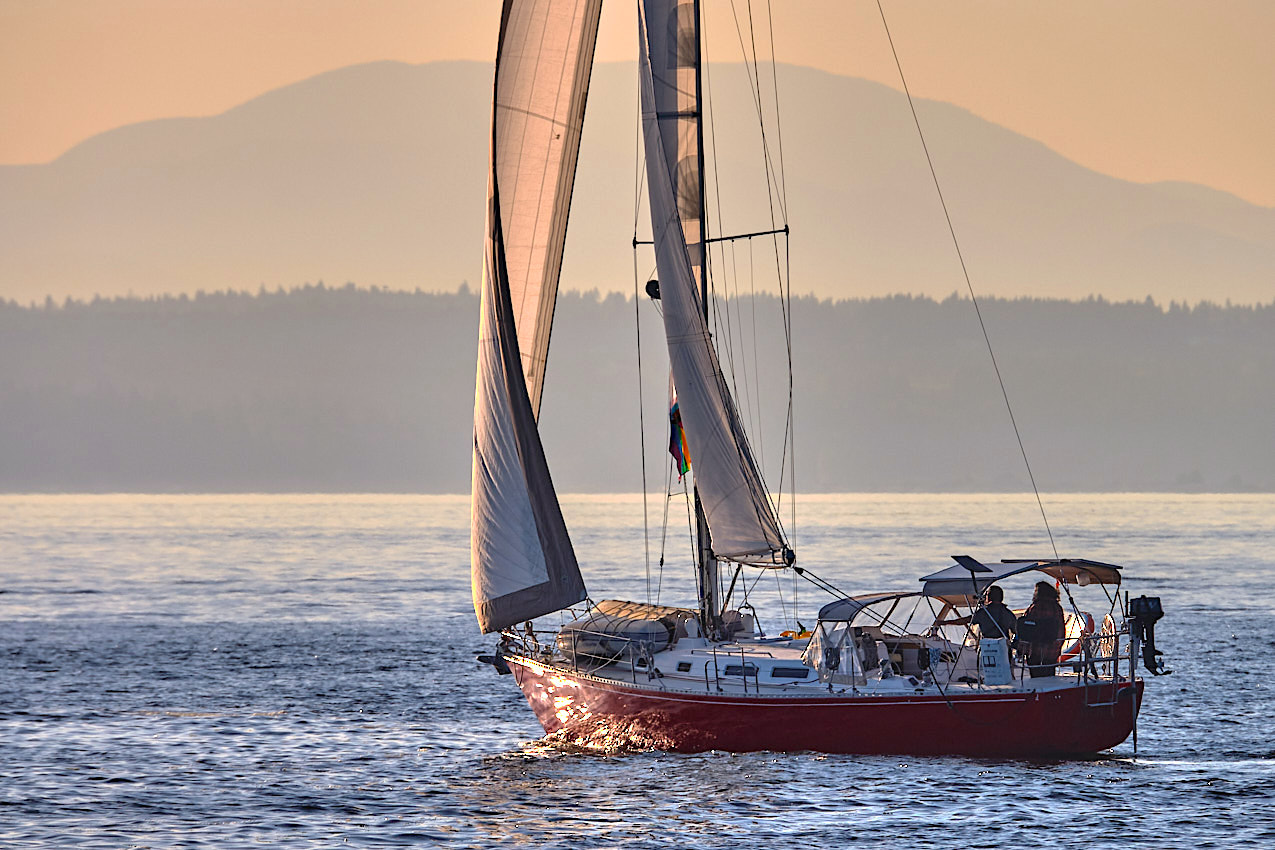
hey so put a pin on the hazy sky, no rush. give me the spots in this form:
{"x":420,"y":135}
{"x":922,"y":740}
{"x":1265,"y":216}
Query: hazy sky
{"x":1141,"y":89}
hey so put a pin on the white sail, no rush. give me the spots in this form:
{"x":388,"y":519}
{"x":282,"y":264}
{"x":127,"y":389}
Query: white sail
{"x":522,"y":564}
{"x":542,"y":80}
{"x":740,"y":516}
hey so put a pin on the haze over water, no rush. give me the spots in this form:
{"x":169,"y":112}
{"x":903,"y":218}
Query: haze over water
{"x":227,"y":671}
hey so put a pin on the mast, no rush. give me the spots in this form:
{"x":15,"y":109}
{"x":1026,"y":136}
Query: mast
{"x":734,"y":515}
{"x":710,"y":608}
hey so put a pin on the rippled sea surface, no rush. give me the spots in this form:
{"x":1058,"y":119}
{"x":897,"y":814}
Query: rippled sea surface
{"x":298,"y":671}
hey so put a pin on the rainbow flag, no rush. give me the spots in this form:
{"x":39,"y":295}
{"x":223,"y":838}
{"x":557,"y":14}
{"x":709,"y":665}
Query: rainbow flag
{"x":677,"y":441}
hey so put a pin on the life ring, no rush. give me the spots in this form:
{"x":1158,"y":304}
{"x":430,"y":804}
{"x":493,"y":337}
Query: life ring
{"x":1072,"y":649}
{"x":1107,"y":642}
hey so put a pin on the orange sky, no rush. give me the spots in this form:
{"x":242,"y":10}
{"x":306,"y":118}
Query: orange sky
{"x":1141,"y":89}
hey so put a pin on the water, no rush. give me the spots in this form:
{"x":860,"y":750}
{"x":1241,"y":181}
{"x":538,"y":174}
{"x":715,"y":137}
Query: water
{"x":234,"y":671}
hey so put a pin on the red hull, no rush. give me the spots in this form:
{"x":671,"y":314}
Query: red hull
{"x":588,"y":711}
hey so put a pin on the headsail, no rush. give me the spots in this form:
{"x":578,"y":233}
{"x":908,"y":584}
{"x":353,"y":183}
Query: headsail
{"x":521,"y":561}
{"x":740,"y":515}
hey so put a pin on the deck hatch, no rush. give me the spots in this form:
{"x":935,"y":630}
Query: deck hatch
{"x":740,"y":670}
{"x":789,"y":672}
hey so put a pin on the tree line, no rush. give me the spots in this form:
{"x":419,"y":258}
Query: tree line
{"x":350,"y":389}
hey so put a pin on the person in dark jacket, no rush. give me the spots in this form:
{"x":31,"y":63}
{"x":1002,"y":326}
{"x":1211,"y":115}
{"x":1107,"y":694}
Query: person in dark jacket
{"x":1042,"y":628}
{"x":994,"y":619}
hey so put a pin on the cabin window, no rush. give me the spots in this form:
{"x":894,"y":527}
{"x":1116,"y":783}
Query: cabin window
{"x":683,"y":666}
{"x":741,"y":670}
{"x":789,"y":672}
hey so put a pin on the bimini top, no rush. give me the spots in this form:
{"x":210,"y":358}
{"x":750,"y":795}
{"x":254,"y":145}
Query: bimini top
{"x":845,"y":610}
{"x":970,"y":578}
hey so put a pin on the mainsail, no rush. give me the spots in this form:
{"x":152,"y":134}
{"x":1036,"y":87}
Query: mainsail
{"x":521,"y":560}
{"x":738,"y":508}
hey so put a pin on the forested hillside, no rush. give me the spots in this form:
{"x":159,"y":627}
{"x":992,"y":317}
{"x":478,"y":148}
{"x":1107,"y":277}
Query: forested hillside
{"x":347,"y":389}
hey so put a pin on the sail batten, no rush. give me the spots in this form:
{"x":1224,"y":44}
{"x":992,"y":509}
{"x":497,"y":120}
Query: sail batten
{"x":522,"y":563}
{"x":738,"y":508}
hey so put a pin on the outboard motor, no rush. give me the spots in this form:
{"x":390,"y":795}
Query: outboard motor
{"x":1143,"y":614}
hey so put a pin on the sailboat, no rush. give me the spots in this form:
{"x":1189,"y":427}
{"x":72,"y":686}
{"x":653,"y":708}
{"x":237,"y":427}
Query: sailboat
{"x":902,"y":671}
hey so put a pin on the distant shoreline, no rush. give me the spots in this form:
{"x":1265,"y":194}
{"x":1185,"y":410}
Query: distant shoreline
{"x":215,"y":298}
{"x":336,"y":390}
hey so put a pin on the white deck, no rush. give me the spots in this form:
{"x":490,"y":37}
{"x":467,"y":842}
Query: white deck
{"x":775,"y":668}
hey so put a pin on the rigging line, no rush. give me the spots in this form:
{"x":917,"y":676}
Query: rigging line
{"x":785,"y":306}
{"x":743,"y":450}
{"x":646,"y":522}
{"x":712,"y":240}
{"x":639,"y":172}
{"x":763,"y":505}
{"x":751,"y":389}
{"x":772,"y":178}
{"x":754,"y":85}
{"x":730,"y":269}
{"x":749,"y":588}
{"x":706,"y":109}
{"x":789,"y":449}
{"x":771,"y":185}
{"x":907,"y":624}
{"x":788,"y":452}
{"x":796,"y":603}
{"x":754,"y":425}
{"x":732,"y":325}
{"x":792,"y":417}
{"x":712,"y":129}
{"x":767,"y":509}
{"x":734,"y":579}
{"x":783,"y":607}
{"x":822,"y":584}
{"x":752,"y":309}
{"x":779,"y":124}
{"x":755,"y":92}
{"x":952,"y":229}
{"x":668,"y":498}
{"x":727,"y":337}
{"x":691,"y":531}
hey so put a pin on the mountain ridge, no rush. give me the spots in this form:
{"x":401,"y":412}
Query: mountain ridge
{"x":376,"y":174}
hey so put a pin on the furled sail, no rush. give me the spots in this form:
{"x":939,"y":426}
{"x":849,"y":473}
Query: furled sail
{"x":740,"y":516}
{"x":522,"y":564}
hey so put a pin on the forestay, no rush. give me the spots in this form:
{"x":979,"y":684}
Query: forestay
{"x":740,"y":516}
{"x":521,"y":560}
